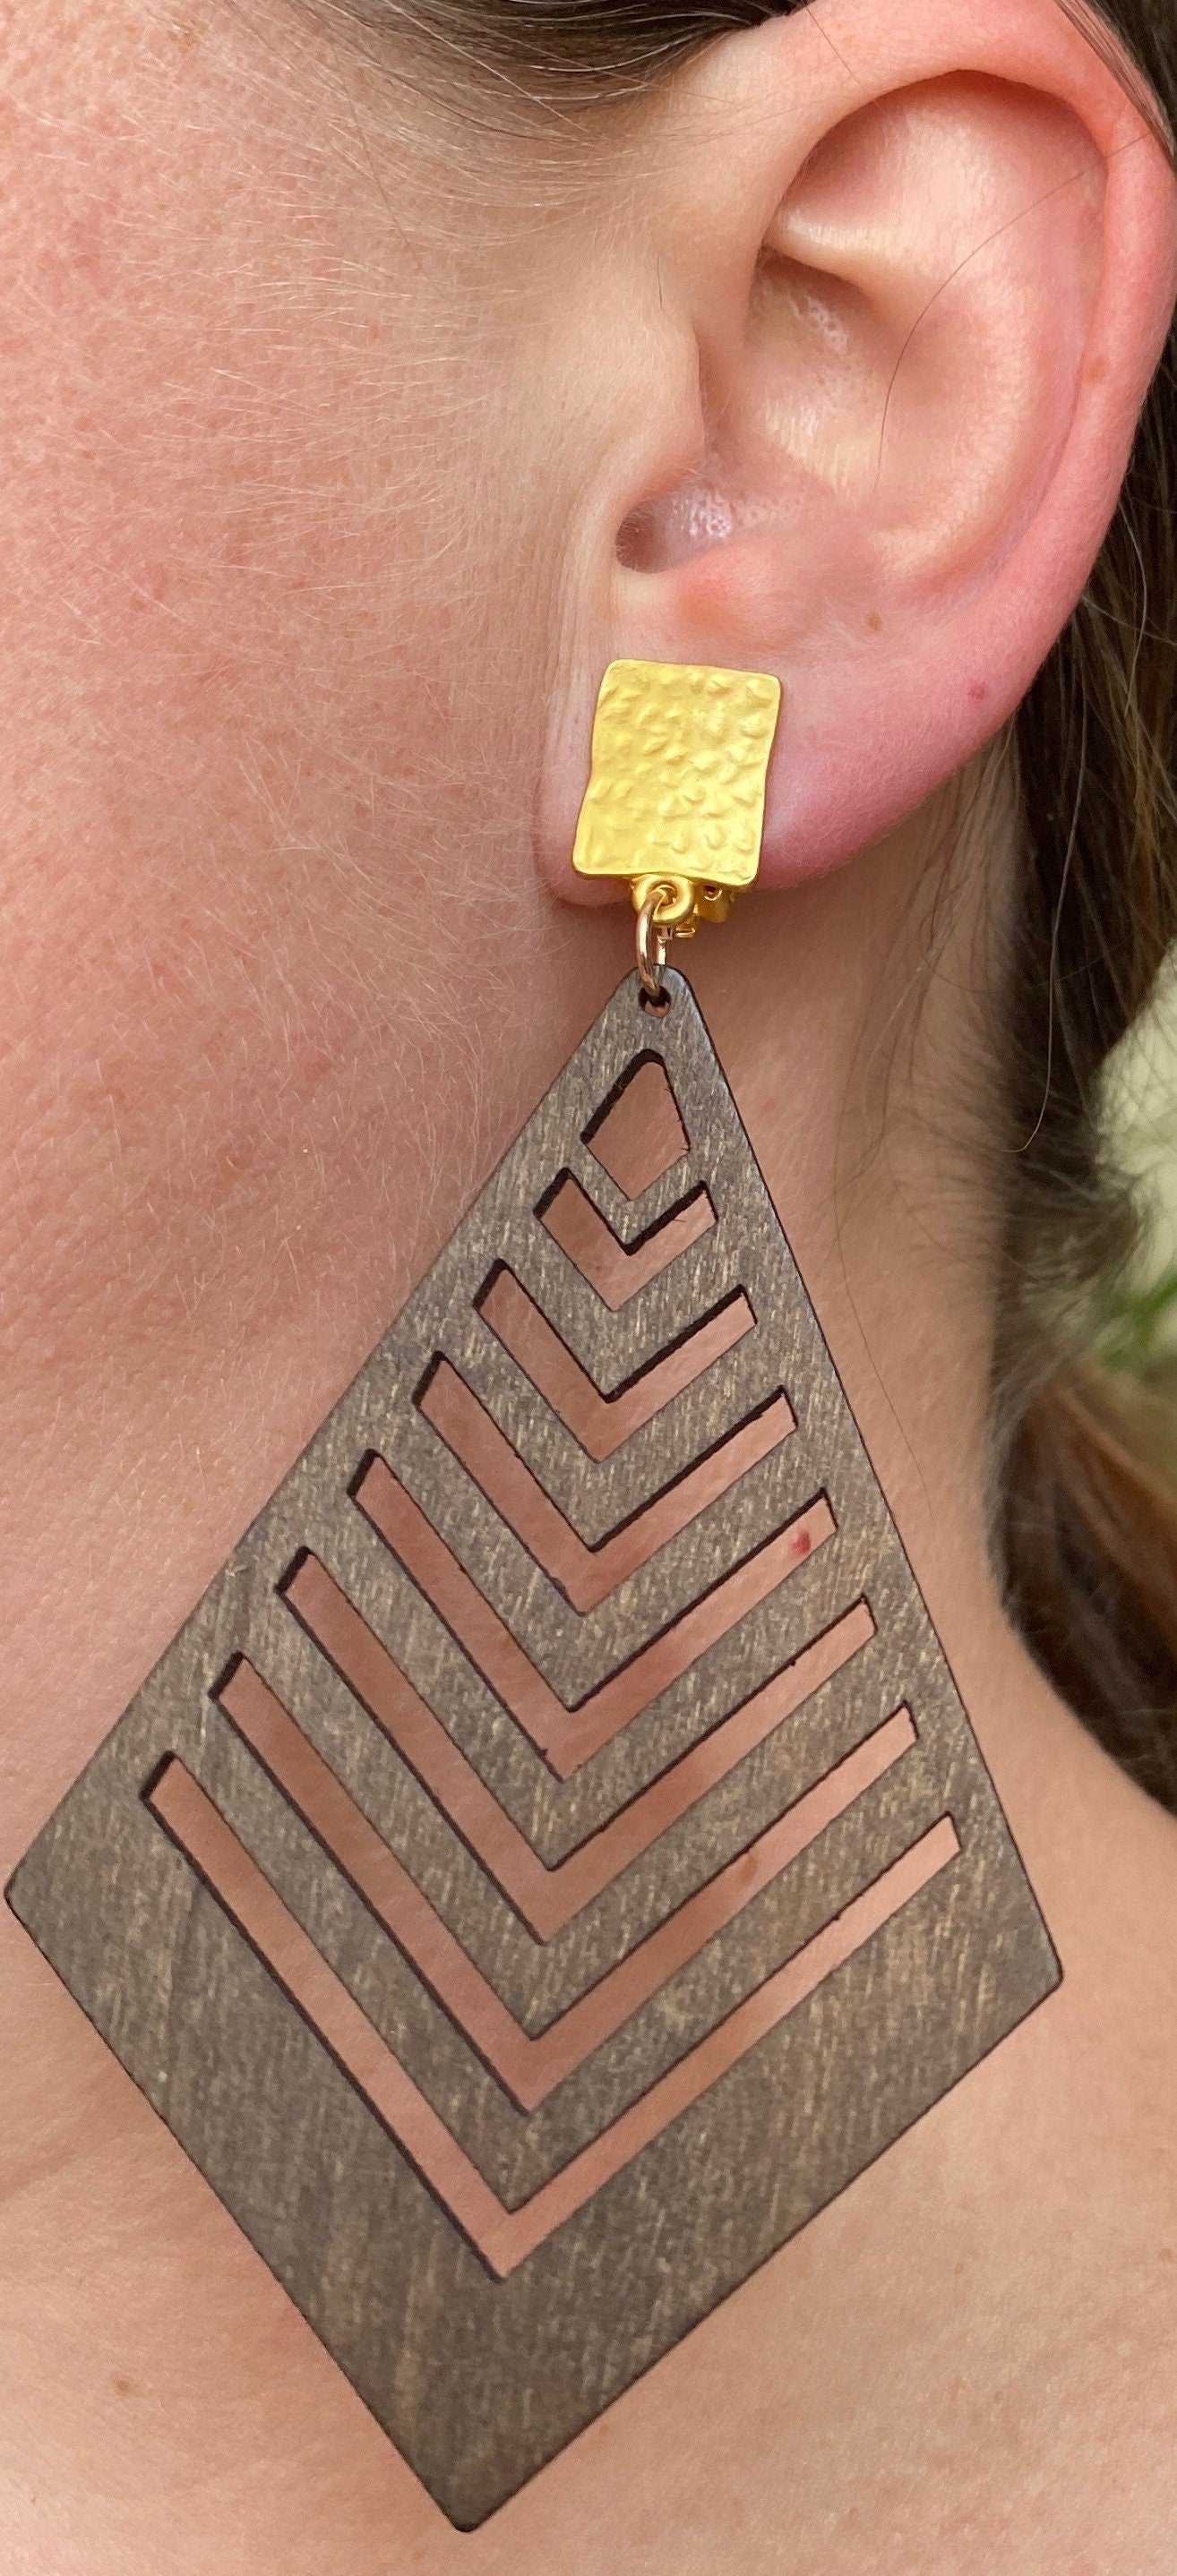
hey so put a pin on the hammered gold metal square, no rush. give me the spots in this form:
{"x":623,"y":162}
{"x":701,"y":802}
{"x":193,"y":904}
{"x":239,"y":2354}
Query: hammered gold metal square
{"x":679,"y":772}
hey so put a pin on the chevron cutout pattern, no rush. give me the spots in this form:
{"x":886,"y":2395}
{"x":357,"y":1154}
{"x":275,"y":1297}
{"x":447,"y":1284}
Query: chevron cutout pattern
{"x":553,"y":1858}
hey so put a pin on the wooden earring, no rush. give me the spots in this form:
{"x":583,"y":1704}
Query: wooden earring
{"x":553,"y":1860}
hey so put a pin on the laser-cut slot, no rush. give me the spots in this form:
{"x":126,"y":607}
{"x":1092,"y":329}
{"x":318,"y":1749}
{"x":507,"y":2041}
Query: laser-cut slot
{"x":617,"y":1270}
{"x":586,"y":1575}
{"x":546,"y":1899}
{"x":567,"y":1735}
{"x":638,"y":1132}
{"x":601,"y":1423}
{"x":505,"y":2238}
{"x":531,"y":2068}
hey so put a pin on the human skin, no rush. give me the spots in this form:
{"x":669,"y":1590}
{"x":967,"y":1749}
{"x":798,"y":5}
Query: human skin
{"x":326,"y":401}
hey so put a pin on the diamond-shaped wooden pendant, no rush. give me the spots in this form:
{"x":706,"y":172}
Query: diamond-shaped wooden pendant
{"x":553,"y":1859}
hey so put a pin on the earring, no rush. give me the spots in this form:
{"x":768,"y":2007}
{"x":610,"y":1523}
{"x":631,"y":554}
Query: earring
{"x":553,"y":1859}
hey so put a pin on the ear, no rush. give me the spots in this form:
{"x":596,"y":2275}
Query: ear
{"x":870,"y":358}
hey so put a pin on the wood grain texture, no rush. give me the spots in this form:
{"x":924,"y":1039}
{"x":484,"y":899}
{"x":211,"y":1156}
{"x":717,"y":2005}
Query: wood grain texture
{"x":526,"y":1919}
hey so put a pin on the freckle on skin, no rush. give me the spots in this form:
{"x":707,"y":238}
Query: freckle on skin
{"x":875,"y":622}
{"x":124,"y":2387}
{"x":1097,"y":370}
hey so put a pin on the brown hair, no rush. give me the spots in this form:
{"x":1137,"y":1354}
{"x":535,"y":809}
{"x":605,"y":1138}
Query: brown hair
{"x":1086,"y":1511}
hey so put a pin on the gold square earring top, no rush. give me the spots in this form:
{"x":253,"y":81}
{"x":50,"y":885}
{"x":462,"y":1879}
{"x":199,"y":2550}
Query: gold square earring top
{"x":677,"y":791}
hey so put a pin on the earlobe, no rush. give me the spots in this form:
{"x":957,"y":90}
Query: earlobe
{"x":920,"y":366}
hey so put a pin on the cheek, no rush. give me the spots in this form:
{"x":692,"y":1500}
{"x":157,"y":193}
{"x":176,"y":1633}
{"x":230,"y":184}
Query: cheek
{"x":272,"y":687}
{"x":248,"y":395}
{"x":218,"y":488}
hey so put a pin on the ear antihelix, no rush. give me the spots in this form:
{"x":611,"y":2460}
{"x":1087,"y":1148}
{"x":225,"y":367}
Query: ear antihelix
{"x":442,"y":1799}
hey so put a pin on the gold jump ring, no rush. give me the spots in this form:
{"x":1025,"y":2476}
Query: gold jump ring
{"x":654,"y":934}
